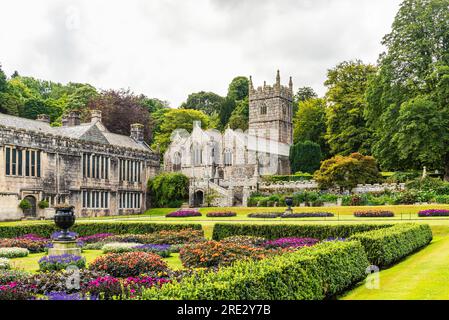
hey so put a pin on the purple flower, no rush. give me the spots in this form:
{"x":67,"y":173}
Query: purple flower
{"x":183,"y":213}
{"x":64,"y":296}
{"x":56,"y":234}
{"x":32,"y":236}
{"x":62,"y":259}
{"x":434,"y":213}
{"x":290,"y":243}
{"x":95,"y":237}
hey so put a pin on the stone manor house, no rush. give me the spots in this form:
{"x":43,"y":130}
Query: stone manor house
{"x":82,"y":164}
{"x":230,"y":164}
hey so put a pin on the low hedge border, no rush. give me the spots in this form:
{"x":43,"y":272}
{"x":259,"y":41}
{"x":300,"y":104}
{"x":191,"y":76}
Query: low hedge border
{"x":90,"y":228}
{"x":315,"y":273}
{"x":322,"y":232}
{"x":387,"y":246}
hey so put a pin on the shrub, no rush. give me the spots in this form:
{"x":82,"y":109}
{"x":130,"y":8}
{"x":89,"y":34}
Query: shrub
{"x":265,"y":215}
{"x":244,"y":240}
{"x":13,"y":252}
{"x":389,"y":245}
{"x":221,"y":214}
{"x":183,"y":214}
{"x":434,"y":213}
{"x":15,"y":291}
{"x":5,"y":264}
{"x":24,"y":204}
{"x":91,"y":228}
{"x":213,"y":254}
{"x":290,"y":243}
{"x":374,"y":214}
{"x":224,"y":230}
{"x":308,"y":215}
{"x":314,"y":273}
{"x":119,"y":247}
{"x":61,"y":262}
{"x":129,"y":264}
{"x":168,"y":188}
{"x":33,"y":246}
{"x":43,"y":204}
{"x":105,"y":288}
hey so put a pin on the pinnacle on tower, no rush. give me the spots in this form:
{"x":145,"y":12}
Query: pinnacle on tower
{"x":251,"y":87}
{"x":278,"y":78}
{"x":290,"y":84}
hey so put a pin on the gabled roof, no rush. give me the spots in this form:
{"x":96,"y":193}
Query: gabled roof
{"x":92,"y":132}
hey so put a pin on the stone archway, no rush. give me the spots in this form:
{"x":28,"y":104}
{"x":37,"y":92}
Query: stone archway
{"x":198,"y":198}
{"x":31,"y":212}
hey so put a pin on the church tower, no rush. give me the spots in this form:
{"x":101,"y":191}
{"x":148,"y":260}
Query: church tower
{"x":271,"y":111}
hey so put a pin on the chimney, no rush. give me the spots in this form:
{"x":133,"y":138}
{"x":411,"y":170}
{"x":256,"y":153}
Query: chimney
{"x":43,"y":118}
{"x":72,"y":119}
{"x":95,"y":116}
{"x":137,"y":132}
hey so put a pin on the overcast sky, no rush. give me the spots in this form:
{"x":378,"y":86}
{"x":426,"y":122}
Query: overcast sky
{"x":170,"y":48}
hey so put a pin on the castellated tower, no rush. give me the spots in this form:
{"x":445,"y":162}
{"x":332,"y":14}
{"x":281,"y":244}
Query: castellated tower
{"x":271,"y":111}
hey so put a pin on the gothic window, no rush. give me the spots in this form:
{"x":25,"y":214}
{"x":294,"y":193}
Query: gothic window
{"x":197,"y":155}
{"x":263,"y":109}
{"x":228,"y":157}
{"x":177,"y":161}
{"x":284,"y":110}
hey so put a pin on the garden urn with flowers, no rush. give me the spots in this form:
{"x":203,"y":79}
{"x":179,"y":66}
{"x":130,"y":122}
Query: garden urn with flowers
{"x":65,"y":242}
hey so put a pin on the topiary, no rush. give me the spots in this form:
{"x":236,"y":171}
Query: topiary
{"x":25,"y":204}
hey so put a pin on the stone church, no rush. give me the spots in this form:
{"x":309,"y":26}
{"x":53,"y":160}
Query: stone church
{"x":228,"y":165}
{"x":82,"y":164}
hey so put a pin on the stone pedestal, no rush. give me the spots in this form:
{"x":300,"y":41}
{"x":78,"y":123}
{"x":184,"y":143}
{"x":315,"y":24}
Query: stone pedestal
{"x":64,"y":247}
{"x":288,"y":211}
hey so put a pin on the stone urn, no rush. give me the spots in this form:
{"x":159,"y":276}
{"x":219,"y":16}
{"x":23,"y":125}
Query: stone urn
{"x":64,"y":219}
{"x":65,"y":243}
{"x":289,"y":203}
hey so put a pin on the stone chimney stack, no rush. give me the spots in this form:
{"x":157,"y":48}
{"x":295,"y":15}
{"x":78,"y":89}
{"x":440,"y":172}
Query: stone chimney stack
{"x":137,"y":132}
{"x":95,"y":115}
{"x":72,"y":119}
{"x":43,"y":118}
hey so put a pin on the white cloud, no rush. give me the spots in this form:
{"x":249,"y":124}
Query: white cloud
{"x":170,"y":48}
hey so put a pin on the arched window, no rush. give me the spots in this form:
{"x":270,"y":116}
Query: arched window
{"x":177,"y":162}
{"x":263,"y":109}
{"x":197,"y":155}
{"x":228,"y":157}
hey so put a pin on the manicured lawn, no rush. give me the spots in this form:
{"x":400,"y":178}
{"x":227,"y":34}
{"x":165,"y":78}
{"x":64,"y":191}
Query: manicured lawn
{"x":30,"y":263}
{"x":422,"y":276}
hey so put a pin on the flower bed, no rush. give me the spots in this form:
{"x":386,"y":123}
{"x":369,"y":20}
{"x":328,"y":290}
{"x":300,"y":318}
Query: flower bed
{"x":7,"y":276}
{"x":214,"y":254}
{"x":244,"y":240}
{"x":55,"y":263}
{"x":265,"y":215}
{"x":223,"y":214}
{"x":290,"y":243}
{"x":95,"y":237}
{"x":162,"y":237}
{"x":374,"y":214}
{"x":163,"y":250}
{"x":34,"y":246}
{"x":434,"y":213}
{"x":183,"y":214}
{"x":15,"y":291}
{"x":129,"y":264}
{"x":5,"y":264}
{"x":13,"y":252}
{"x":119,"y":247}
{"x":308,"y":215}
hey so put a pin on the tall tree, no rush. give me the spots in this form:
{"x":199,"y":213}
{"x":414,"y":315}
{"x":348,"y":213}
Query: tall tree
{"x":346,"y":128}
{"x":305,"y":157}
{"x":238,"y":88}
{"x":207,"y":102}
{"x":177,"y":119}
{"x":3,"y":82}
{"x":120,"y":109}
{"x":413,"y":73}
{"x":240,"y":116}
{"x":309,"y":123}
{"x":303,"y":94}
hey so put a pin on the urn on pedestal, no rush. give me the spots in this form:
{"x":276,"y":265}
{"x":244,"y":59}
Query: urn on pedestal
{"x":64,"y":243}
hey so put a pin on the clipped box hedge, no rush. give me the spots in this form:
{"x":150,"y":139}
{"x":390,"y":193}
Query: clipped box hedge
{"x":389,"y":245}
{"x":224,"y":230}
{"x":314,"y":273}
{"x":90,"y":228}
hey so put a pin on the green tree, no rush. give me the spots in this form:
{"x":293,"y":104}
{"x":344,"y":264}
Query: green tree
{"x":240,"y":116}
{"x":168,"y":190}
{"x":238,"y":88}
{"x":3,"y":82}
{"x":305,"y":157}
{"x":346,"y":128}
{"x":178,"y":119}
{"x":412,"y":72}
{"x":207,"y":102}
{"x":346,"y":172}
{"x":303,"y":94}
{"x":309,"y":123}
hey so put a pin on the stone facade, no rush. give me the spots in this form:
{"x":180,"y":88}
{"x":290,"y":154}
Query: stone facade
{"x":82,"y":164}
{"x":230,"y":164}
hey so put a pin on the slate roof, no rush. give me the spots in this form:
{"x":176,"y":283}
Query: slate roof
{"x":85,"y":132}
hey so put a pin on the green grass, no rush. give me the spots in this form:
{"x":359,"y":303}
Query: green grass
{"x":30,"y":263}
{"x":422,"y":276}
